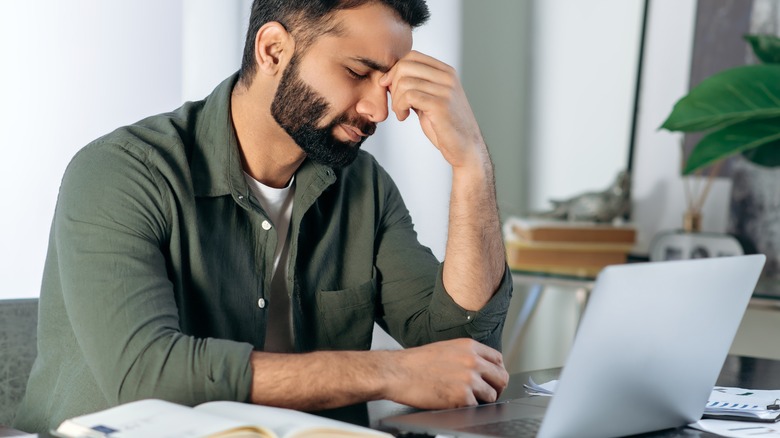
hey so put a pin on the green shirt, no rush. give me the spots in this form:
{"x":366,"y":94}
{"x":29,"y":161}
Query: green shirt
{"x":160,"y":262}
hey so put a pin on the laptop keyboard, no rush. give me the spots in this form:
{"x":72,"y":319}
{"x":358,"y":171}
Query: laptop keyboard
{"x":520,"y":427}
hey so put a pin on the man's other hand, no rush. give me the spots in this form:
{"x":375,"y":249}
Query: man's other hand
{"x":446,"y":374}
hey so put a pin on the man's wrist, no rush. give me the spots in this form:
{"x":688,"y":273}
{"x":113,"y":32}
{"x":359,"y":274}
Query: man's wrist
{"x":474,"y":177}
{"x":478,"y":165}
{"x":385,"y":366}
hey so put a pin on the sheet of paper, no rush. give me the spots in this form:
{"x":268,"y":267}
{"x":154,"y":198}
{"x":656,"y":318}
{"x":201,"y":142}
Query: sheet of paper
{"x":738,"y":429}
{"x":744,"y":402}
{"x":759,"y":398}
{"x":546,"y":389}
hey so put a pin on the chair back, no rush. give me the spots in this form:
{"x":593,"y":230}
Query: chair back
{"x":18,"y":339}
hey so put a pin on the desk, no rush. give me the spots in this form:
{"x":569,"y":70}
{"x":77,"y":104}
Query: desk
{"x":737,"y":371}
{"x":767,"y":293}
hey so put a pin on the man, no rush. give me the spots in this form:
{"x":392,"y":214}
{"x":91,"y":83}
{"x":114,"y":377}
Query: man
{"x":241,"y":247}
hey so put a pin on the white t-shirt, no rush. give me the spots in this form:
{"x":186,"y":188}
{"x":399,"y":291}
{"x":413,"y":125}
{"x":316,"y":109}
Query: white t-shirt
{"x":278,"y":205}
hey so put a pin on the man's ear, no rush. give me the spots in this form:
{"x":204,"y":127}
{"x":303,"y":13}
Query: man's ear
{"x":274,"y":47}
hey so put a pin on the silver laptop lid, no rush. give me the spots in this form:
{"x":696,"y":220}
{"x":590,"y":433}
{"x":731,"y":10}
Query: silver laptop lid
{"x":650,"y":345}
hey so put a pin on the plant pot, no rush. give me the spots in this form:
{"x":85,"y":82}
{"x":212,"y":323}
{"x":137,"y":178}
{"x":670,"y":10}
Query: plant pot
{"x":755,"y":212}
{"x":683,"y":245}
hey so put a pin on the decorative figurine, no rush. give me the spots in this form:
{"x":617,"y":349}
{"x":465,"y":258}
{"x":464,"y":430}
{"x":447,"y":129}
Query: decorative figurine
{"x":606,"y":206}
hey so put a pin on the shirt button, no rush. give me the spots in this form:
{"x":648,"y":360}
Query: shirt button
{"x":261,"y":303}
{"x":266,"y":225}
{"x":468,"y":317}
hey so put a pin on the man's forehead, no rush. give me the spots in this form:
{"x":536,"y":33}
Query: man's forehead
{"x":373,"y":35}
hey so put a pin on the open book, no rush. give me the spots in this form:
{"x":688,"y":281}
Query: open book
{"x":157,"y":418}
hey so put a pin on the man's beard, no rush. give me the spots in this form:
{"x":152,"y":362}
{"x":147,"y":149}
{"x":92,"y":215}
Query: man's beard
{"x":298,"y":109}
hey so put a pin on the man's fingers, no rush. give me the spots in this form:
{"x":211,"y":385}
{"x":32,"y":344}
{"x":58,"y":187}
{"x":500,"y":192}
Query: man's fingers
{"x":488,"y":382}
{"x":490,"y":366}
{"x":495,"y":376}
{"x":483,"y":391}
{"x":430,"y":61}
{"x":414,"y":99}
{"x":490,"y":376}
{"x":490,"y":354}
{"x":447,"y":374}
{"x":417,"y":65}
{"x":413,"y":92}
{"x":410,"y":83}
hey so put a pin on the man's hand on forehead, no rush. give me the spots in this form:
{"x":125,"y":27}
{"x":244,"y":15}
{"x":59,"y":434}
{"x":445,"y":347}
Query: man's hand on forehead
{"x":432,"y":89}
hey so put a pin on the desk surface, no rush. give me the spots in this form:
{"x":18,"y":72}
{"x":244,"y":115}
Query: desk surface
{"x":737,"y":371}
{"x":767,"y":289}
{"x":744,"y":372}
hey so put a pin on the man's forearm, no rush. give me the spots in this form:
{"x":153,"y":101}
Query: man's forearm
{"x":315,"y":381}
{"x":475,"y":257}
{"x":441,"y":375}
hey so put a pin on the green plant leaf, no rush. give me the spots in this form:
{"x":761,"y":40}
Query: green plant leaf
{"x":731,"y":96}
{"x":767,"y":155}
{"x":735,"y":139}
{"x":766,"y":47}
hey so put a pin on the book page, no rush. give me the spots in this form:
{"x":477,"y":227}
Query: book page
{"x":287,"y":423}
{"x":153,"y":418}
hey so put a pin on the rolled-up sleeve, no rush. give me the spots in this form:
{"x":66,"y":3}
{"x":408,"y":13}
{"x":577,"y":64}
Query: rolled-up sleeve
{"x":415,"y":306}
{"x":111,"y":226}
{"x":485,"y":324}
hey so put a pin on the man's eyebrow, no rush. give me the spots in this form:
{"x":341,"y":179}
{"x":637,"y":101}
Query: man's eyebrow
{"x":373,"y":65}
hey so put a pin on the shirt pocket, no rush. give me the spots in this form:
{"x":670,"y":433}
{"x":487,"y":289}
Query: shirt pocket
{"x":347,"y":316}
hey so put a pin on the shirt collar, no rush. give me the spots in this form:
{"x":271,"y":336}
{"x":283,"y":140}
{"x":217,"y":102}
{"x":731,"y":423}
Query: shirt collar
{"x":216,"y":161}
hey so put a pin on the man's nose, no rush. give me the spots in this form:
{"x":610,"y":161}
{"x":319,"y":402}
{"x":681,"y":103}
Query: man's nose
{"x":373,"y":104}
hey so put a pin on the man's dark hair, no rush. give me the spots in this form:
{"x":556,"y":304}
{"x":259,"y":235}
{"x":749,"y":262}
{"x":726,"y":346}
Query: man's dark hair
{"x":309,"y":19}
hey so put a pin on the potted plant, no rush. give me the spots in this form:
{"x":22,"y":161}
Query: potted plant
{"x":738,"y":111}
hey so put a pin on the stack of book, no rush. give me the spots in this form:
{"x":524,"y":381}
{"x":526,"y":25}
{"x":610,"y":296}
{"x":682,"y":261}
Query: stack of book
{"x":566,"y":248}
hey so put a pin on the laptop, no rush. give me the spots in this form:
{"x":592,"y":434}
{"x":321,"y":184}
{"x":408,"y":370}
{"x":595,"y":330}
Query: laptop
{"x":648,"y":350}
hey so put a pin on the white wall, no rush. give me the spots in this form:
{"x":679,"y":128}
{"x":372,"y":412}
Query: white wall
{"x":70,"y":73}
{"x":658,"y":190}
{"x":584,"y":70}
{"x":213,"y":35}
{"x":495,"y":71}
